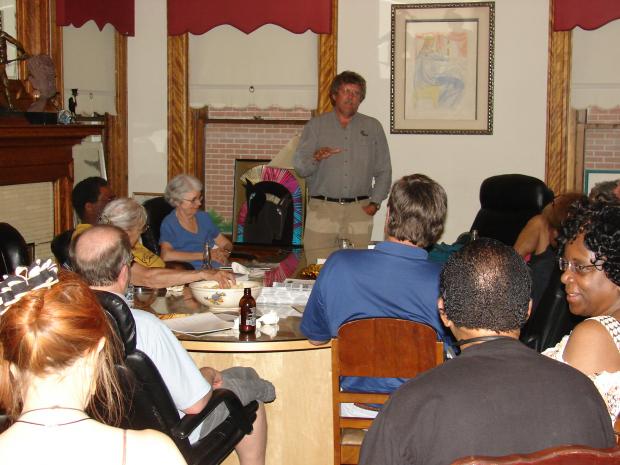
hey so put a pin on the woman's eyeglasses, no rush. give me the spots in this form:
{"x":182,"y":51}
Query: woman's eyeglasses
{"x":194,"y":200}
{"x":576,"y":267}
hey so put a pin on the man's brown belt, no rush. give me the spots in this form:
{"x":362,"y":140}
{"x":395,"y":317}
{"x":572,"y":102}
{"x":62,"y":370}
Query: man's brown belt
{"x":341,"y":199}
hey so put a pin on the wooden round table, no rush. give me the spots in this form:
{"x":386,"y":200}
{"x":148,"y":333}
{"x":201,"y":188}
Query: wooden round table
{"x":300,"y":419}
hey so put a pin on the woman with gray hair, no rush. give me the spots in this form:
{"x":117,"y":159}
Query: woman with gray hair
{"x":148,"y":269}
{"x":187,"y":229}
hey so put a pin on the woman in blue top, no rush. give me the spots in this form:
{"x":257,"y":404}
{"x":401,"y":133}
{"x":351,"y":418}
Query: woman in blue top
{"x":187,"y":228}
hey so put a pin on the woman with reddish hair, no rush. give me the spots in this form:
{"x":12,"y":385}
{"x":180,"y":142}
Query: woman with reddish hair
{"x":57,"y":377}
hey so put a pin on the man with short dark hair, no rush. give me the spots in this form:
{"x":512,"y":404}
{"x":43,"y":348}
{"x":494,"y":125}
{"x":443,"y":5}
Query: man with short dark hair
{"x":102,"y":256}
{"x":345,"y":158}
{"x":395,"y":279}
{"x":89,"y":198}
{"x":498,"y":397}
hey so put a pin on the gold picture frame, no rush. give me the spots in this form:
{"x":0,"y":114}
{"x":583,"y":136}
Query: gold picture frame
{"x":442,"y":68}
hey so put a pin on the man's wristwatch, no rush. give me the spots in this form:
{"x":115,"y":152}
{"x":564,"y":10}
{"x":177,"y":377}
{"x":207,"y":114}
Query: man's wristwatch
{"x":377,"y":205}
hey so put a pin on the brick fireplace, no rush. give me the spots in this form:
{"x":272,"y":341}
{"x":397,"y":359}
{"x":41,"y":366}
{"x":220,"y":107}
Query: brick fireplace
{"x":260,"y":134}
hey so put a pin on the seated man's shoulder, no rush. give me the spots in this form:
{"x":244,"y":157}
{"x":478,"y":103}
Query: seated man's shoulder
{"x":347,"y":258}
{"x":146,"y":319}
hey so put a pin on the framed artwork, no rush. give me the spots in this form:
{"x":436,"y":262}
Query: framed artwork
{"x":89,"y":159}
{"x":442,"y":68}
{"x":268,"y":204}
{"x":593,"y":177}
{"x":142,"y":197}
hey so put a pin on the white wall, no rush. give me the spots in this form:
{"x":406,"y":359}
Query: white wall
{"x":595,"y":78}
{"x":9,"y":25}
{"x":89,"y":66}
{"x":147,"y":98}
{"x":459,"y":163}
{"x":281,"y":67}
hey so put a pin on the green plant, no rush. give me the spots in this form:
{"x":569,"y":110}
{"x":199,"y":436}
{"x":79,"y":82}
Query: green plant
{"x":220,"y":221}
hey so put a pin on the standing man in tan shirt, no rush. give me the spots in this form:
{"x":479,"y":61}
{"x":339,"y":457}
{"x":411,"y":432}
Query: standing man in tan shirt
{"x":345,"y":159}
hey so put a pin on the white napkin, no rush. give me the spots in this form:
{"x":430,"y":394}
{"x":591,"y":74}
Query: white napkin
{"x":241,"y":272}
{"x":175,"y":290}
{"x":269,"y":318}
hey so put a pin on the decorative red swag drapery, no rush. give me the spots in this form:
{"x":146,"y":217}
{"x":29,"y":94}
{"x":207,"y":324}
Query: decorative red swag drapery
{"x":297,"y":16}
{"x":119,"y":13}
{"x":587,"y":14}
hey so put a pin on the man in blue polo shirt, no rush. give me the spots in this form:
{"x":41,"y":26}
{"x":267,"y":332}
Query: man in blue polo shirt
{"x":394,"y":280}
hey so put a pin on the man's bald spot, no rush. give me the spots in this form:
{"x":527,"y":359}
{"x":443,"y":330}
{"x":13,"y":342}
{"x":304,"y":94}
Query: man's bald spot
{"x":96,"y":241}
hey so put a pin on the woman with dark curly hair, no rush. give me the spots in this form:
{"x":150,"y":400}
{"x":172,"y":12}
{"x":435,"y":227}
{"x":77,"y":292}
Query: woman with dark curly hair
{"x":590,"y":259}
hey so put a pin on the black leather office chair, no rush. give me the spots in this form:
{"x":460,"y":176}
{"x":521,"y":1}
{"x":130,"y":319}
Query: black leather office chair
{"x":60,"y":248}
{"x":551,"y":320}
{"x":156,"y":210}
{"x":507,"y":202}
{"x":13,"y":253}
{"x":150,"y":404}
{"x":13,"y":249}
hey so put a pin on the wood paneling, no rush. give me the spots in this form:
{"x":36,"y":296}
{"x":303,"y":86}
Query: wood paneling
{"x":199,"y":117}
{"x":300,"y":426}
{"x":35,"y":32}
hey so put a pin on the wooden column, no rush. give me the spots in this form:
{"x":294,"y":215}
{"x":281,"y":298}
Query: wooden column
{"x":328,"y":62}
{"x":34,"y":26}
{"x":181,"y":157}
{"x":38,"y":33}
{"x":558,"y":106}
{"x":116,"y":138}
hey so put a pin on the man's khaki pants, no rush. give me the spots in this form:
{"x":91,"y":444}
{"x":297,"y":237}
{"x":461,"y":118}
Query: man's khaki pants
{"x":327,"y":222}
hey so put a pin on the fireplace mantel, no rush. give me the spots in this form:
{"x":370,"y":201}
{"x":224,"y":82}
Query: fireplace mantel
{"x":43,"y":153}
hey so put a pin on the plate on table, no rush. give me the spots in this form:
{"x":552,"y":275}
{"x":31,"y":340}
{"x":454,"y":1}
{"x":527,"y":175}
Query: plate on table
{"x":224,"y":309}
{"x":199,"y":323}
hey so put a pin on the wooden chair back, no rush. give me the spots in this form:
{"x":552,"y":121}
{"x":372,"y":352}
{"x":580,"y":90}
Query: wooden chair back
{"x":564,"y":455}
{"x":378,"y":348}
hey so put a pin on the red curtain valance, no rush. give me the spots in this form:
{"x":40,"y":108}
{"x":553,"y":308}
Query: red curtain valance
{"x":119,"y":13}
{"x":587,"y":14}
{"x":297,"y":16}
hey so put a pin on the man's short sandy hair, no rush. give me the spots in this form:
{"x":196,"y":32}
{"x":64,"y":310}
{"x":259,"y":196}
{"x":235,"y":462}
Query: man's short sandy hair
{"x":417,"y":210}
{"x":99,"y":254}
{"x":347,"y":77}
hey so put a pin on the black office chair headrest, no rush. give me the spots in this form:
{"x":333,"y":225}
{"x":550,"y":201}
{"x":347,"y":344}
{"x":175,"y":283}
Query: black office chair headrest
{"x":157,"y":209}
{"x":514,"y":192}
{"x":60,"y":248}
{"x":121,"y":317}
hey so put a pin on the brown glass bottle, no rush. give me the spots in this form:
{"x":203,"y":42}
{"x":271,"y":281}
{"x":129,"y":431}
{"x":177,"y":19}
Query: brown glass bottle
{"x":247,"y":312}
